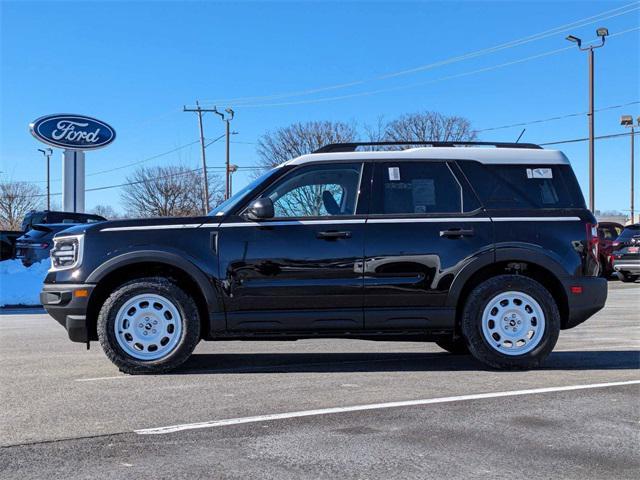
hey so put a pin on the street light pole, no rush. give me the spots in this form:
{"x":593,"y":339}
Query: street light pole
{"x":47,"y":152}
{"x":602,"y":33}
{"x":232,"y":169}
{"x":627,"y":121}
{"x":592,"y":187}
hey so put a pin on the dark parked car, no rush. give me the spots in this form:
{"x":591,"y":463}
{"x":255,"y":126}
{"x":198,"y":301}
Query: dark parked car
{"x":49,"y":216}
{"x":608,"y":232}
{"x":34,"y":246}
{"x":483,"y":249}
{"x":8,"y":244}
{"x":626,"y":254}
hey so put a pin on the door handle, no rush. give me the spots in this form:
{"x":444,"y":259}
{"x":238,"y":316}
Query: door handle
{"x":333,"y":235}
{"x":457,"y":233}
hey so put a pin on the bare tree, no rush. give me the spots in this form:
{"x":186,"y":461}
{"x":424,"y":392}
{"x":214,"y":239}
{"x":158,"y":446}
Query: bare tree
{"x":106,"y":211}
{"x":171,"y":191}
{"x":429,"y":126}
{"x":301,"y":138}
{"x":16,"y":200}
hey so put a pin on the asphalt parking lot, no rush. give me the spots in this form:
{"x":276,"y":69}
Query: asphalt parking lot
{"x":343,"y":409}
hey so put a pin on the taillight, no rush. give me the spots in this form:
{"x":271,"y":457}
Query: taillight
{"x":592,"y":240}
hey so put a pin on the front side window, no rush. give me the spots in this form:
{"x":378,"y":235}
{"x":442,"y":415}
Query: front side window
{"x":317,"y":191}
{"x":415,"y":188}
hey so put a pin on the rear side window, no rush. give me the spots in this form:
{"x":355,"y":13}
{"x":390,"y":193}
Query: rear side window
{"x":415,"y":188}
{"x":524,"y":186}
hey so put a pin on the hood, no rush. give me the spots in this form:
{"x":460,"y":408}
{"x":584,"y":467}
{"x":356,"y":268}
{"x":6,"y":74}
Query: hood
{"x":136,"y":222}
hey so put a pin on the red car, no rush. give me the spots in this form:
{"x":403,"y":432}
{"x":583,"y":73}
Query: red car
{"x":608,"y":232}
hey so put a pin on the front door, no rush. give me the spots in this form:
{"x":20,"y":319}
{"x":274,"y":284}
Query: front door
{"x":424,"y":226}
{"x":300,"y":270}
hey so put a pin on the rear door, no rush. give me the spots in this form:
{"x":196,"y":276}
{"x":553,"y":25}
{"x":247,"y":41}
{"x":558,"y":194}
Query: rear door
{"x":424,"y":226}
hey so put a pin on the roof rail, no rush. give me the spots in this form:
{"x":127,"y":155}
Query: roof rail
{"x":352,"y":146}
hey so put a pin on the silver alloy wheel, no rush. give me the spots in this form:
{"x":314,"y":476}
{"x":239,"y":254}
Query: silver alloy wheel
{"x":148,"y":327}
{"x":513,"y":323}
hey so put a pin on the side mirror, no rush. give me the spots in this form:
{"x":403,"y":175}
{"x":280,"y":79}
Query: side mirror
{"x":261,"y":209}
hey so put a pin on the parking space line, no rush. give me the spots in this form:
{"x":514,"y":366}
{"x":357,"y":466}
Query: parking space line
{"x":373,"y":406}
{"x":95,"y":379}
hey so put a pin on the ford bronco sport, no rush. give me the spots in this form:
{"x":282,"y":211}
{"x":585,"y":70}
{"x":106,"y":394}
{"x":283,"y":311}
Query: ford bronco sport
{"x":483,"y":248}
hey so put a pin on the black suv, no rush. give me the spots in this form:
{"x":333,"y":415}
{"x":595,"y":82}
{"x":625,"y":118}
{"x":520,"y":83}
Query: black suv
{"x":487,"y":249}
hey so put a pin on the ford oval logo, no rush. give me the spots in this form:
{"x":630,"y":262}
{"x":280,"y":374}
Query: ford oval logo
{"x":75,"y":132}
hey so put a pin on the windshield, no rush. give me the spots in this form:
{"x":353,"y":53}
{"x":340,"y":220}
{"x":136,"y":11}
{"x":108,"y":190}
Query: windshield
{"x":232,"y":201}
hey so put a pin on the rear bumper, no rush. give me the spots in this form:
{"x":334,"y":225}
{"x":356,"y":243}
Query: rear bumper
{"x":583,"y":305}
{"x":67,"y":309}
{"x":631,"y":266}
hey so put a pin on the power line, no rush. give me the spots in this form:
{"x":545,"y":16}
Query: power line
{"x":576,"y":140}
{"x":423,"y":83}
{"x":153,"y":157}
{"x":162,"y":177}
{"x":559,"y":117}
{"x":513,"y":43}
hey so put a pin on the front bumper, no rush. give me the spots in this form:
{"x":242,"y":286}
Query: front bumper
{"x":67,"y":308}
{"x":585,"y":304}
{"x":631,"y":266}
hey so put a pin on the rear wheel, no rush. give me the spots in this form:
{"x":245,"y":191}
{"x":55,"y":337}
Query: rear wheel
{"x":627,"y":277}
{"x":148,"y":325}
{"x":511,"y":322}
{"x":457,"y":346}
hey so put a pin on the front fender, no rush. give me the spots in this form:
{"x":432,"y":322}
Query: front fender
{"x":172,"y":258}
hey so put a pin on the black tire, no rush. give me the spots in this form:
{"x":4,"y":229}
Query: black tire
{"x":627,"y":278}
{"x":472,"y":322}
{"x":456,"y":347}
{"x":190,"y":321}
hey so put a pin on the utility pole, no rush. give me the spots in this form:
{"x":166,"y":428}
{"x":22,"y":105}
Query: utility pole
{"x":602,"y":33}
{"x":227,"y":119}
{"x":200,"y":111}
{"x":47,"y":152}
{"x":627,"y":121}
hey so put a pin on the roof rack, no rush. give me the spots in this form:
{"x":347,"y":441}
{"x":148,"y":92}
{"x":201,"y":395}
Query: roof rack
{"x":351,"y":147}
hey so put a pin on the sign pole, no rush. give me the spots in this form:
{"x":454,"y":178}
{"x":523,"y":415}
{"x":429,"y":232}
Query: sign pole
{"x":73,"y":181}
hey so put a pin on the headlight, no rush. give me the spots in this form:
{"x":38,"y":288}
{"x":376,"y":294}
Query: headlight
{"x":66,"y":252}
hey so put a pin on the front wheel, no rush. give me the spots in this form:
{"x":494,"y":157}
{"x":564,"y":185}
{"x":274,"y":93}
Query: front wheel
{"x":148,"y":325}
{"x":511,"y":322}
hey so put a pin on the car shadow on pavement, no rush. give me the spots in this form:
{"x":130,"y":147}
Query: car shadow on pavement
{"x":238,"y":363}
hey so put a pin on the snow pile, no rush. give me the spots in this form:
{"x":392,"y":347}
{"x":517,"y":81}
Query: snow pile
{"x":20,"y":285}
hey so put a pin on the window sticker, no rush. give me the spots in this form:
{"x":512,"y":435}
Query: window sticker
{"x":424,"y":194}
{"x":539,"y":173}
{"x":394,"y":174}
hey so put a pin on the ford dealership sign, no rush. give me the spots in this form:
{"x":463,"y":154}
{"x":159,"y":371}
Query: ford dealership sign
{"x":74,"y":132}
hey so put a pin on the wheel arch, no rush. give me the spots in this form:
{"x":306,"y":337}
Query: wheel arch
{"x":150,"y":263}
{"x":536,"y":265}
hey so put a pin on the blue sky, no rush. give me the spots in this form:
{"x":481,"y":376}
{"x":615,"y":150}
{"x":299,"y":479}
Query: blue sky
{"x":135,"y":64}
